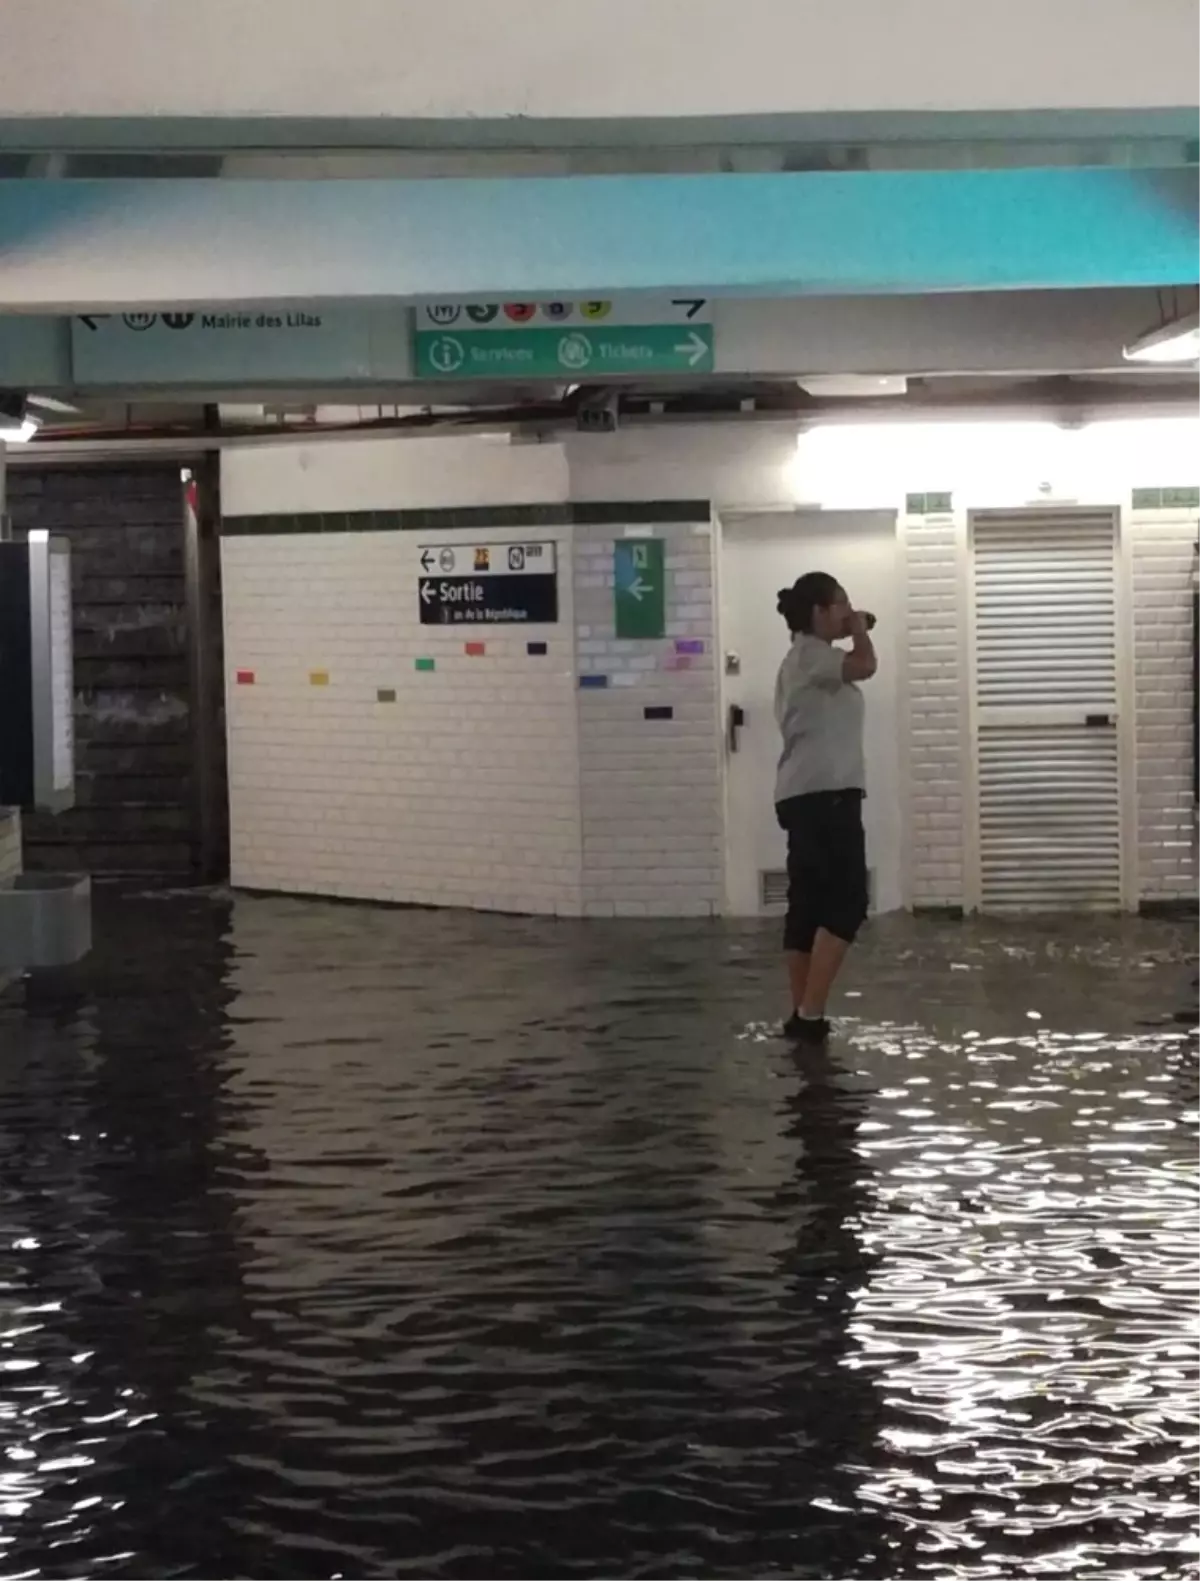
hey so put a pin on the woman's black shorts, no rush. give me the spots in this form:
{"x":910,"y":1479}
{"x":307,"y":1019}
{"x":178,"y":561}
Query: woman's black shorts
{"x":826,"y":866}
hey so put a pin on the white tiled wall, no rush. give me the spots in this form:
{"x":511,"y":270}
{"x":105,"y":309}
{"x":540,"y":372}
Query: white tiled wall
{"x":499,"y":783}
{"x":1163,"y":554}
{"x":937,"y":736}
{"x":367,"y":475}
{"x":653,"y":839}
{"x":734,"y":465}
{"x":493,"y":782}
{"x":464,"y":791}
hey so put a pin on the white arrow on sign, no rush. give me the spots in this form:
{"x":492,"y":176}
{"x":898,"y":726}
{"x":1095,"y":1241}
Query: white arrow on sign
{"x":427,"y":593}
{"x":693,"y":348}
{"x":638,"y":589}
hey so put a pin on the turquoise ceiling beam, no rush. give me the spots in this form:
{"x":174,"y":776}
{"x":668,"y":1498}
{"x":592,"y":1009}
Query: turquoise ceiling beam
{"x":69,"y":246}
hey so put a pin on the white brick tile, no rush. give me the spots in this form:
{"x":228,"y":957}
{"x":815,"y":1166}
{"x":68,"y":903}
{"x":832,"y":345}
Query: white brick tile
{"x":1162,"y":553}
{"x":477,"y":785}
{"x":465,"y":787}
{"x":936,"y":726}
{"x":633,"y":824}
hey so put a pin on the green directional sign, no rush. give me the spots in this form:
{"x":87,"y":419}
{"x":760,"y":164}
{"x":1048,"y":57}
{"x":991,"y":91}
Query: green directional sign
{"x":639,"y":588}
{"x":564,"y":340}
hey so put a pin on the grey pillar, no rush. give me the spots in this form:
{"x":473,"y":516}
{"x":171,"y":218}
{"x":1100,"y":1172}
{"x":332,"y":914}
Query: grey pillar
{"x":202,"y":516}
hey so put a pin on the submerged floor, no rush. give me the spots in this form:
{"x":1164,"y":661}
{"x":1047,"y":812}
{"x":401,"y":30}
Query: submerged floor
{"x":341,"y":1241}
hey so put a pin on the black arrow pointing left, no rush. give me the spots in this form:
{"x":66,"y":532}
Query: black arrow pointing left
{"x":92,"y":320}
{"x":426,"y":560}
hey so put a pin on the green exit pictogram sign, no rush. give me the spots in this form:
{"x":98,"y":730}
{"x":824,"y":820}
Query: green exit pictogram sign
{"x":639,"y":588}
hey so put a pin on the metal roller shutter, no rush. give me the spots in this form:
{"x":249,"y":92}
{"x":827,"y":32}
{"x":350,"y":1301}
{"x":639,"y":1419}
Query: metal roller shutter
{"x":1047,"y":748}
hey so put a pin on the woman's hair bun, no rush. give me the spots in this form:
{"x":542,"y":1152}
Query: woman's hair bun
{"x":796,"y":603}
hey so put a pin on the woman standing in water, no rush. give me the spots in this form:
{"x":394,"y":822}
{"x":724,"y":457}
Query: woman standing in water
{"x":819,"y":790}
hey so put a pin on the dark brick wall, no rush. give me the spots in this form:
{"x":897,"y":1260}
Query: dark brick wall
{"x":134,"y":811}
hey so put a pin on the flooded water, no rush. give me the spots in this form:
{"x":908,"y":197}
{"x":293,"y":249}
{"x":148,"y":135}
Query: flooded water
{"x":340,"y":1241}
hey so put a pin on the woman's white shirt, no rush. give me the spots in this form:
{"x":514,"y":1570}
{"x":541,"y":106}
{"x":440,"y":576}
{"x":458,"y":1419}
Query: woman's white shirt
{"x":820,"y":716}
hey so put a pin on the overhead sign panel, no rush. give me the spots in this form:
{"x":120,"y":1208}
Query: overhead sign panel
{"x":497,"y":584}
{"x":240,"y":346}
{"x":579,"y":340}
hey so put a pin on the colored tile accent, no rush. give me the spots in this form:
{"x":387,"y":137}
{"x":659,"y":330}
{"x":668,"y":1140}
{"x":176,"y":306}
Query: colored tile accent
{"x":245,"y":677}
{"x":537,"y":650}
{"x":689,"y":645}
{"x":593,"y":683}
{"x":385,"y":694}
{"x":318,"y":677}
{"x":426,"y":665}
{"x":657,"y":712}
{"x":475,"y":650}
{"x":677,"y":661}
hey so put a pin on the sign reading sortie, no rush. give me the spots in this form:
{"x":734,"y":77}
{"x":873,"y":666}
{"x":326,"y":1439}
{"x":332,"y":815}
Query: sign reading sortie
{"x":495,"y":584}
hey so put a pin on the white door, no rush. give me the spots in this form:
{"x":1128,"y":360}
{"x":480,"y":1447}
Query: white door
{"x":759,"y":555}
{"x":1049,"y":763}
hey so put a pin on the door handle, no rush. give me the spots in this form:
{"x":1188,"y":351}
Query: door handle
{"x":737,"y":718}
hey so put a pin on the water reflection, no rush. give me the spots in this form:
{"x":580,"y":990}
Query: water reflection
{"x":340,"y":1241}
{"x":1032,"y":1326}
{"x":823,"y":1272}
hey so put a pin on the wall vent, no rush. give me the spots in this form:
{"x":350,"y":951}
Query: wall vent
{"x":773,"y":885}
{"x":772,"y":889}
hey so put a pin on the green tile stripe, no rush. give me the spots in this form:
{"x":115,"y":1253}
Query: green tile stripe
{"x":475,"y":518}
{"x":928,"y":504}
{"x":1166,"y":499}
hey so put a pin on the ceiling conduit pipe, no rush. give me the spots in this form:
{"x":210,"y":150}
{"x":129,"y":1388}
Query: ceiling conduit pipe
{"x":1196,"y":675}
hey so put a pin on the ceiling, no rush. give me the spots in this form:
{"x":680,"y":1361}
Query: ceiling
{"x":417,"y":408}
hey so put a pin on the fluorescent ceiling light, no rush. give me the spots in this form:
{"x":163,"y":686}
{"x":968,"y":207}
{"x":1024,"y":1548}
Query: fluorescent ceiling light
{"x":51,"y":403}
{"x":1178,"y":341}
{"x":854,"y":385}
{"x":18,"y":433}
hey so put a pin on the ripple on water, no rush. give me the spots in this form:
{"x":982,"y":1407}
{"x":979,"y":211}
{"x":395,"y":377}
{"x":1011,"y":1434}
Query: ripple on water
{"x":354,"y":1242}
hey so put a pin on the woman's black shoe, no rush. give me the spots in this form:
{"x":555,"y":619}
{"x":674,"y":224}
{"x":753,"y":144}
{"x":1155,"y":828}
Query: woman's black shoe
{"x":806,"y":1029}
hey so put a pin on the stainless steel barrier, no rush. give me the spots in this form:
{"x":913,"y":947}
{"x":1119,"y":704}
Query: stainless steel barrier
{"x":45,"y":920}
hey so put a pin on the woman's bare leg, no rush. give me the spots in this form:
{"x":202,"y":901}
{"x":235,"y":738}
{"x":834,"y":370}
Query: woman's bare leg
{"x":797,"y":970}
{"x":825,"y":962}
